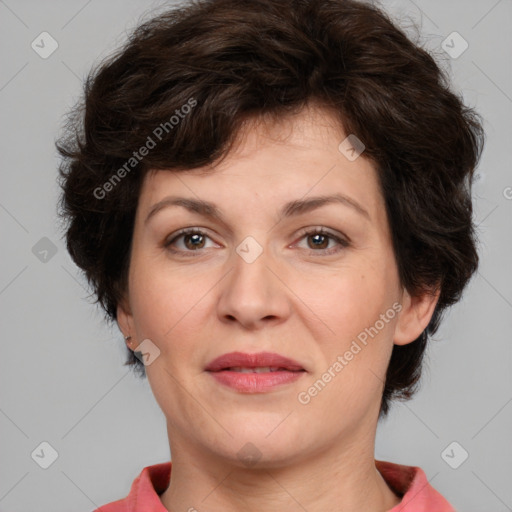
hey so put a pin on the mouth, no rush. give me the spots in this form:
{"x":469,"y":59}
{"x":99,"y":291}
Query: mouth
{"x":254,"y":373}
{"x":261,"y":362}
{"x":258,"y":369}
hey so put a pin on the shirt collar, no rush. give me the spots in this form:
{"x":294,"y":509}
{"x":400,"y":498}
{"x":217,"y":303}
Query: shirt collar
{"x":409,"y":482}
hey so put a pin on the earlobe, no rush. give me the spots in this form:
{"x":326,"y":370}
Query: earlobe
{"x":125,"y":322}
{"x":417,"y":310}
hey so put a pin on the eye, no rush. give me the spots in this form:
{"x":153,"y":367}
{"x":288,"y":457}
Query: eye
{"x":318,"y":241}
{"x":193,"y":240}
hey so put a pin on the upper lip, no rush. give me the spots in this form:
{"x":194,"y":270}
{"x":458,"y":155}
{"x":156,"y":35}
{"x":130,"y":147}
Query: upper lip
{"x":261,"y":359}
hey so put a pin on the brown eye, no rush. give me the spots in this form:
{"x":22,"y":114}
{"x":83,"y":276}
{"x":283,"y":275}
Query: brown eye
{"x":191,"y":241}
{"x":194,"y":241}
{"x":318,"y":241}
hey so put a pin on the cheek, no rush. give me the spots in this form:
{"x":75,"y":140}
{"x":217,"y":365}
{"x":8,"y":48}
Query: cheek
{"x":346,"y":301}
{"x":350,"y":307}
{"x":165,"y":309}
{"x":159,"y":301}
{"x":168,"y":308}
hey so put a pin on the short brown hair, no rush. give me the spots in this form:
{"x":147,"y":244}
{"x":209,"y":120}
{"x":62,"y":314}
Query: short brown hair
{"x":232,"y":60}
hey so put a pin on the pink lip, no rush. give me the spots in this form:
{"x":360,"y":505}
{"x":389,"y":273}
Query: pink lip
{"x":252,"y":361}
{"x":290,"y":371}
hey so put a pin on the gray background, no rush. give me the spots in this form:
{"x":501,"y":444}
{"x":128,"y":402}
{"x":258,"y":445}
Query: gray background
{"x":61,"y":376}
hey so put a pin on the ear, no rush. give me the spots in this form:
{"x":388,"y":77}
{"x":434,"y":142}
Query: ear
{"x":415,"y":315}
{"x":125,"y":321}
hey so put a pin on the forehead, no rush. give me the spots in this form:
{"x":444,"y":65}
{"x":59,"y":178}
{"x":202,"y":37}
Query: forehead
{"x":271,"y":163}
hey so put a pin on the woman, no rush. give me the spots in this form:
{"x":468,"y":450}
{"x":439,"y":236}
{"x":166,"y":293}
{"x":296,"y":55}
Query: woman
{"x":272,"y":200}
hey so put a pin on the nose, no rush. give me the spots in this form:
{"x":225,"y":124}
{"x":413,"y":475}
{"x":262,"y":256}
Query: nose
{"x":253,"y":293}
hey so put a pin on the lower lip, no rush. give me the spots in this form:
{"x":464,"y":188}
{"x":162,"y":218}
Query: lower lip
{"x":255,"y":382}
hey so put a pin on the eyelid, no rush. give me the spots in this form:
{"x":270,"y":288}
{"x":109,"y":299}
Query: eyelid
{"x":321,"y":230}
{"x":342,"y":240}
{"x":185,"y":231}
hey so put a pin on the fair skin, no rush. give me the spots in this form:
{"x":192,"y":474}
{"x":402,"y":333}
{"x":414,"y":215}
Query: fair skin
{"x":295,"y":299}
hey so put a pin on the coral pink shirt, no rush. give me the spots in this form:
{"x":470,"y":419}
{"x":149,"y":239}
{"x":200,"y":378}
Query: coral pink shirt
{"x":409,"y":482}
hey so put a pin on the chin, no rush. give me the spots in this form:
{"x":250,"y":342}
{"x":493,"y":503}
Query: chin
{"x":258,"y":446}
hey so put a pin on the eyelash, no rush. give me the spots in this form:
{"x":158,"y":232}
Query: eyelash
{"x":305,"y":233}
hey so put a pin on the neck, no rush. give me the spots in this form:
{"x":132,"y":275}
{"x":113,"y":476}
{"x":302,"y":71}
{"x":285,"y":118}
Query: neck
{"x":349,"y":482}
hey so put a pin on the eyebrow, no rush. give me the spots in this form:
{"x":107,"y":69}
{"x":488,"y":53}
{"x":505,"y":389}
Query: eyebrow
{"x":292,"y":208}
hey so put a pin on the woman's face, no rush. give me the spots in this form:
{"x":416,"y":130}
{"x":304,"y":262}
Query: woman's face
{"x":253,"y":281}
